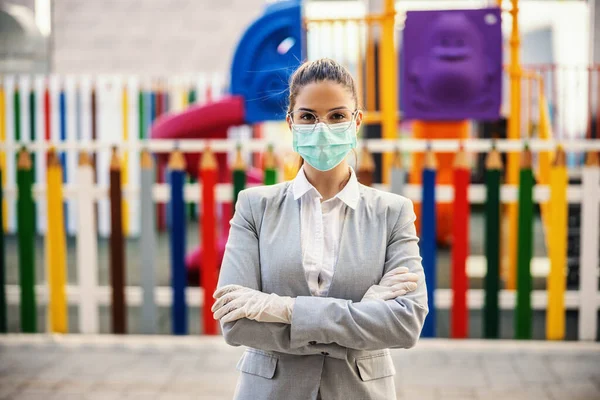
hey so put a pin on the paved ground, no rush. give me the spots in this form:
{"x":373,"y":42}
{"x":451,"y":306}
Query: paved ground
{"x":165,"y":367}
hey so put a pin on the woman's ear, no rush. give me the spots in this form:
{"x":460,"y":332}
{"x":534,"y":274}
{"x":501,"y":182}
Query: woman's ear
{"x":288,"y":119}
{"x":359,"y":118}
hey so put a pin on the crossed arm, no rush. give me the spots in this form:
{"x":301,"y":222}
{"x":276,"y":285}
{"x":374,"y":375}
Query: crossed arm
{"x":369,"y":325}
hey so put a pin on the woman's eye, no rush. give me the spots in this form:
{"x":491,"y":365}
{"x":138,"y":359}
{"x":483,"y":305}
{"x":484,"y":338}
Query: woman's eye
{"x":307,"y":117}
{"x":338,"y":117}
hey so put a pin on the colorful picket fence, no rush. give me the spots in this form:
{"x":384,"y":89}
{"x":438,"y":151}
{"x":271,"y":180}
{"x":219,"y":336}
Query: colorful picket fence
{"x":71,"y":109}
{"x":459,"y":299}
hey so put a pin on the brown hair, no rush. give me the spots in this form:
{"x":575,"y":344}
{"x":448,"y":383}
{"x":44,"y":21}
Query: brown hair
{"x":323,"y":69}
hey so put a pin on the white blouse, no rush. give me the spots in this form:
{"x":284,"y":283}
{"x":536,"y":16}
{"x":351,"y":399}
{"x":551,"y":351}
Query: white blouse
{"x":321,"y":228}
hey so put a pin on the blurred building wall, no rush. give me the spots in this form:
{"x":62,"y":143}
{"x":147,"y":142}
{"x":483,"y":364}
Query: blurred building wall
{"x":146,"y":37}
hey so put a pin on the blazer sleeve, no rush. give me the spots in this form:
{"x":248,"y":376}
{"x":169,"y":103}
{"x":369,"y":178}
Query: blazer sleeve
{"x":370,"y":325}
{"x":241,"y":266}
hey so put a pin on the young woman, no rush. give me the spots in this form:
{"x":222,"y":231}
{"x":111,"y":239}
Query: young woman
{"x":321,"y":275}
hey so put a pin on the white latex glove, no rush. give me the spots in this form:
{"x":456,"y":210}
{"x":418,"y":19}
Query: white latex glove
{"x":235,"y":302}
{"x":395,"y":283}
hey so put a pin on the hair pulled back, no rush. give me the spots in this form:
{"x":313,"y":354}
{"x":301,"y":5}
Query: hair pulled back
{"x":323,"y":69}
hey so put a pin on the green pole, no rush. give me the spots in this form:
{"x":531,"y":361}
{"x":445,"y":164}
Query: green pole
{"x":523,"y":324}
{"x":491,"y":312}
{"x":192,"y":179}
{"x":25,"y":232}
{"x":192,"y":205}
{"x":17,"y":99}
{"x":270,"y":177}
{"x":32,"y":139}
{"x":191,"y":96}
{"x":141,"y":114}
{"x":239,"y":176}
{"x":32,"y":116}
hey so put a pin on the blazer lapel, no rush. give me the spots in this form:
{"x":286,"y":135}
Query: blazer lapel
{"x":343,"y":269}
{"x":293,"y":246}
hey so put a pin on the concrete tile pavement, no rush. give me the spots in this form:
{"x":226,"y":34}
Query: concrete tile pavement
{"x":109,"y":367}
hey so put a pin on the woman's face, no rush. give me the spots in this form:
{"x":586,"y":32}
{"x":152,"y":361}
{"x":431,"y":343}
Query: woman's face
{"x":323,"y":99}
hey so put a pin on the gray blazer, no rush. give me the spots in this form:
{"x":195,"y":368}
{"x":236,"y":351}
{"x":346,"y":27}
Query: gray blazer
{"x":336,"y":344}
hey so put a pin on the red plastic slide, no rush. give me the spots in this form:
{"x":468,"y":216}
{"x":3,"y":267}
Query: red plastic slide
{"x":209,"y":121}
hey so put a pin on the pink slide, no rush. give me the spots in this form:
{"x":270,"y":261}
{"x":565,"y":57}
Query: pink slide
{"x":209,"y":121}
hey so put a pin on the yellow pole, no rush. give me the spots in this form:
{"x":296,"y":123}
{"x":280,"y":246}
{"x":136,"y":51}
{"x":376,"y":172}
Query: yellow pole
{"x":291,"y":166}
{"x":125,"y":162}
{"x":528,"y":101}
{"x":556,"y":284}
{"x":184,"y":96}
{"x":359,"y":67}
{"x":370,"y":68}
{"x":3,"y":155}
{"x":514,"y":127}
{"x":56,"y":261}
{"x":388,"y":85}
{"x":545,"y":157}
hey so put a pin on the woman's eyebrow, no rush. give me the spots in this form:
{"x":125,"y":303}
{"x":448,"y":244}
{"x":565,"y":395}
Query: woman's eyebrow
{"x":332,"y":109}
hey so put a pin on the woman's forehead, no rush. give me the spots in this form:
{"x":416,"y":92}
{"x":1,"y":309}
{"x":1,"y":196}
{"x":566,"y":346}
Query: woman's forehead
{"x":324,"y":96}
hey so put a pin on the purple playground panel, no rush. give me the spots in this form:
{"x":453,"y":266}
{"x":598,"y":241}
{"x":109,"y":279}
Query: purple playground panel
{"x":451,"y":65}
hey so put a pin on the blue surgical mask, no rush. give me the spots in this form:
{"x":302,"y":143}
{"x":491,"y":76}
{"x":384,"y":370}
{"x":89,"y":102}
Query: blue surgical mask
{"x":324,"y":147}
